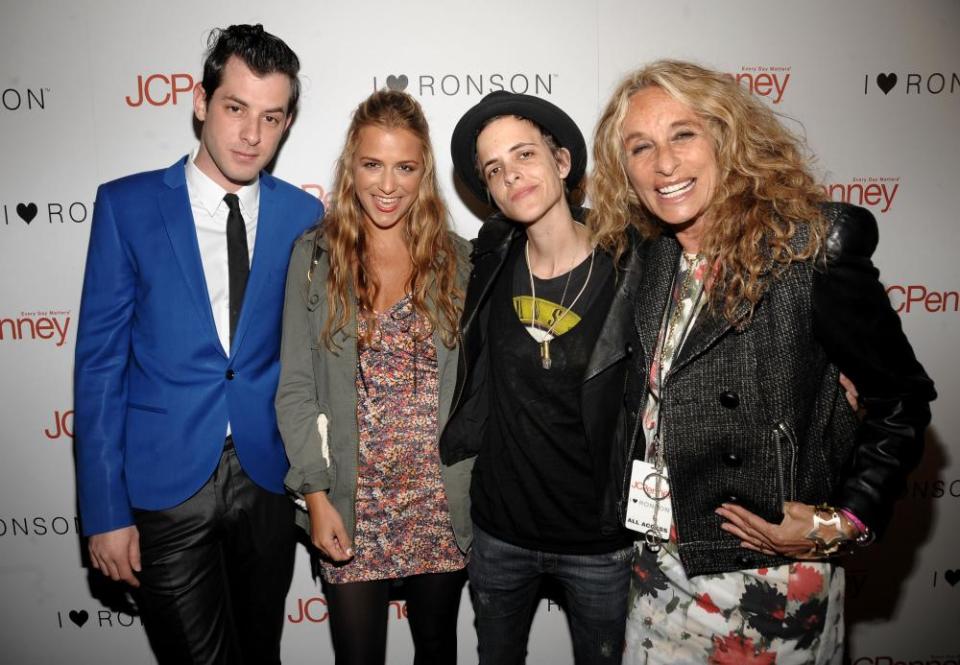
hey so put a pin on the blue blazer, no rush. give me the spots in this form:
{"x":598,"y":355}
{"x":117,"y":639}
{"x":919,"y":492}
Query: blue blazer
{"x":153,"y":387}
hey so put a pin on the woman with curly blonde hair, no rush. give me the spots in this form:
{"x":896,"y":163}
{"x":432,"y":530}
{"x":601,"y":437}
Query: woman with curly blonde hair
{"x":368,"y":365}
{"x":749,"y":469}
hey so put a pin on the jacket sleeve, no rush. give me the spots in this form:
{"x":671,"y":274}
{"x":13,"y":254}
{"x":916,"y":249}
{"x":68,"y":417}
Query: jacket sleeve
{"x":100,"y":374}
{"x":302,"y":424}
{"x":862,"y":335}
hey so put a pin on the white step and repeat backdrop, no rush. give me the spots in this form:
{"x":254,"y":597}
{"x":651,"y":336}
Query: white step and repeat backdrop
{"x":90,"y":91}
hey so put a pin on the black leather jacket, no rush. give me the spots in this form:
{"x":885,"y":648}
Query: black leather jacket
{"x":606,"y":421}
{"x":756,"y":416}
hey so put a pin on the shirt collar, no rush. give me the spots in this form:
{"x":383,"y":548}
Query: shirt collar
{"x":210,"y":195}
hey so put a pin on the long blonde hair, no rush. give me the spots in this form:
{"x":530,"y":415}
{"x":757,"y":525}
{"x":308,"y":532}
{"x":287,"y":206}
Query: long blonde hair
{"x":766,"y":190}
{"x":432,"y":250}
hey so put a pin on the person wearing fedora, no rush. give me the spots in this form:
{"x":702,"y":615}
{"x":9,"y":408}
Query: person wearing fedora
{"x":547,"y":340}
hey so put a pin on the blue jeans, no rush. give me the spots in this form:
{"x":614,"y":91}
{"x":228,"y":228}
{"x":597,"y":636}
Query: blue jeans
{"x":505,"y":580}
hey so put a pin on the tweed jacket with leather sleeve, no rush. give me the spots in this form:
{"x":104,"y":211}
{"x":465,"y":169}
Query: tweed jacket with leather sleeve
{"x":756,"y":416}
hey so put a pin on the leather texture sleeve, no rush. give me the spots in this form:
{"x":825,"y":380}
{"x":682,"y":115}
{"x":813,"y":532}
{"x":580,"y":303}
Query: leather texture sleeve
{"x":862,"y":335}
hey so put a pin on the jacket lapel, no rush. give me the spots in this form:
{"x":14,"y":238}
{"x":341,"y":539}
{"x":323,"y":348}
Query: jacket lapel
{"x":490,"y":251}
{"x":178,"y":220}
{"x":707,"y":329}
{"x":662,"y":255}
{"x":265,"y":246}
{"x":615,"y":333}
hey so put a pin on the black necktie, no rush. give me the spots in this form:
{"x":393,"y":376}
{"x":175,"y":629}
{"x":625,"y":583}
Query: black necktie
{"x":237,"y":258}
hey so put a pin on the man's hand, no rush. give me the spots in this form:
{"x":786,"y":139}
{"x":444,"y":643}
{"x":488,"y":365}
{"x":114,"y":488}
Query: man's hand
{"x":116,"y":554}
{"x":326,"y":527}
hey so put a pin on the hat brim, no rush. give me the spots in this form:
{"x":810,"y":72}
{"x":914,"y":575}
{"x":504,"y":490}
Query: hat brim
{"x":463,"y":144}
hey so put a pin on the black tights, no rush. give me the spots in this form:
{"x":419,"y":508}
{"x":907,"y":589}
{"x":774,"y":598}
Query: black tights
{"x":358,"y":618}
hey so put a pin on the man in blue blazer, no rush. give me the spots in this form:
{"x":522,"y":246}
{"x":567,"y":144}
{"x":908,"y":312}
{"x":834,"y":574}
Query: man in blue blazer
{"x":179,"y":462}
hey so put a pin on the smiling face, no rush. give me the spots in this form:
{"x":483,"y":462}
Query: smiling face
{"x":243,"y":122}
{"x":671,"y":162}
{"x":522,"y":173}
{"x":387,"y":169}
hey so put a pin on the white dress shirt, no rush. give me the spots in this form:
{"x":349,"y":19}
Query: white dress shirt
{"x":210,"y":213}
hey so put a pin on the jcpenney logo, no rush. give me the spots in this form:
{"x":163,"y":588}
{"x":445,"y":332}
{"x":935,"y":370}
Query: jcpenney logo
{"x":318,"y":191}
{"x":935,"y":83}
{"x":907,"y":299}
{"x":472,"y":84}
{"x":765,"y":81}
{"x":50,"y":326}
{"x":877,"y":193}
{"x":160,"y":89}
{"x":62,"y":425}
{"x":24,"y":99}
{"x":314,"y":610}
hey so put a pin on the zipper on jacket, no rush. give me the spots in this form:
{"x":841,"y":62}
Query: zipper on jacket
{"x":787,"y":475}
{"x":628,"y":467}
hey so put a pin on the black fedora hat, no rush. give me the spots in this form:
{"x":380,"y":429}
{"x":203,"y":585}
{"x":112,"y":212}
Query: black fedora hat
{"x":463,"y":145}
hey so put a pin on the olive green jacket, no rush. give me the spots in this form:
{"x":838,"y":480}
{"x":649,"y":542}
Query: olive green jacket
{"x":317,"y":398}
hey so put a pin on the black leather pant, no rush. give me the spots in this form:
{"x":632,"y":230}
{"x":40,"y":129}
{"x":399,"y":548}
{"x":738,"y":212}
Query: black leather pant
{"x":216,"y":571}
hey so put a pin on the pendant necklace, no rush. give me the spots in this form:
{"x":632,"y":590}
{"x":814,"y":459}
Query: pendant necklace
{"x":673,"y":338}
{"x":545,"y":360}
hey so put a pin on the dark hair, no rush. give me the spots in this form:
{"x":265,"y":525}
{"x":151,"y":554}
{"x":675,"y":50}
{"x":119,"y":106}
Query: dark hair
{"x":260,"y":51}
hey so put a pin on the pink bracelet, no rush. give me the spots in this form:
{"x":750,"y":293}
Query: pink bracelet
{"x":854,"y":520}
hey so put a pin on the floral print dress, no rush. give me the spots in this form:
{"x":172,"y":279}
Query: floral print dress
{"x":790,"y":614}
{"x":403,"y":523}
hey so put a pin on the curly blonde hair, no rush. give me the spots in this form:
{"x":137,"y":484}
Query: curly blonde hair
{"x":766,"y":190}
{"x":426,"y":230}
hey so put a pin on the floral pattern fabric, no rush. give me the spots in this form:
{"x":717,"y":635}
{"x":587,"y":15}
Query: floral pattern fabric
{"x":403,"y":524}
{"x":786,"y":615}
{"x":686,"y":300}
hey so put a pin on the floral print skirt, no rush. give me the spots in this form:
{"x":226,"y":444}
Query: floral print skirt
{"x":789,"y":615}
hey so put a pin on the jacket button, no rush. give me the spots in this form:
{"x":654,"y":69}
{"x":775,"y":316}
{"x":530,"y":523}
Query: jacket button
{"x":230,"y":374}
{"x":732,"y":459}
{"x":628,"y":349}
{"x":744,"y":561}
{"x":729,"y":399}
{"x":314,"y":299}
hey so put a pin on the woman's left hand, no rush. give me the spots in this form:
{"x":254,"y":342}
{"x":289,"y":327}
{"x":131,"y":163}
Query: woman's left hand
{"x":794,"y":537}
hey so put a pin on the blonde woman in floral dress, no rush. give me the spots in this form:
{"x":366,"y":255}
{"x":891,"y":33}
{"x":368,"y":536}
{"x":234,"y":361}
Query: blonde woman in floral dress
{"x":368,"y":366}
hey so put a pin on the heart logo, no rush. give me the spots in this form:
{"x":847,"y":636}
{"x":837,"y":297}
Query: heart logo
{"x":27,"y":211}
{"x":398,"y":83}
{"x":79,"y":618}
{"x":952,"y":576}
{"x":886,"y":81}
